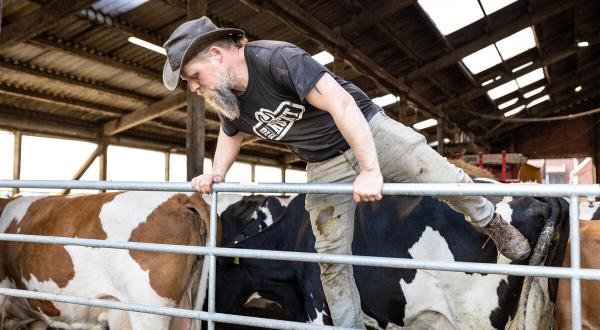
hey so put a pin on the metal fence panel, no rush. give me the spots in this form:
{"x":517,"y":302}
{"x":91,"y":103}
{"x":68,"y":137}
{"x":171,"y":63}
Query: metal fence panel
{"x":575,"y":273}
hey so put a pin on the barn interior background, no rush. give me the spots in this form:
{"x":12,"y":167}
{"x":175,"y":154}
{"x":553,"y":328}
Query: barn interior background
{"x":81,"y":95}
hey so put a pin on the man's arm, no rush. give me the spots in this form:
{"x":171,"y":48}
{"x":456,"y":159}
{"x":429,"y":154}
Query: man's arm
{"x":227,"y":150}
{"x":329,"y":96}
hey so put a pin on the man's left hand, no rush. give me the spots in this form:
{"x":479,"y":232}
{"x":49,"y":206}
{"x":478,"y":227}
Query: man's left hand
{"x":368,"y":186}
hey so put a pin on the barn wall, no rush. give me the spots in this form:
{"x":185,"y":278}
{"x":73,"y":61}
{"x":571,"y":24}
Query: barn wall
{"x":569,"y":138}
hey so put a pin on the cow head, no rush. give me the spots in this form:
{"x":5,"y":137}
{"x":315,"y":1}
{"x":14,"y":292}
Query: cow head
{"x":239,"y":278}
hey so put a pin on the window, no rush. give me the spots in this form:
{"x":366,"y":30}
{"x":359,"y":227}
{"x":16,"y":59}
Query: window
{"x":295,"y":176}
{"x":178,"y":167}
{"x":267,"y":173}
{"x":129,"y":164}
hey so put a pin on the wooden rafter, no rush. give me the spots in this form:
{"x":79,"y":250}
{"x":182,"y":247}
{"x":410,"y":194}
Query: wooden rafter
{"x":155,"y":110}
{"x":40,"y":20}
{"x":70,"y":79}
{"x":97,"y":56}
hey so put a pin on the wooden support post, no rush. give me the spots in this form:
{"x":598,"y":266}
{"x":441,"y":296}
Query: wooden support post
{"x":17,"y":159}
{"x":196,"y":130}
{"x":88,"y":162}
{"x":253,"y":172}
{"x":103,"y":163}
{"x":283,"y":167}
{"x":440,"y":136}
{"x":167,"y":166}
{"x":594,"y":150}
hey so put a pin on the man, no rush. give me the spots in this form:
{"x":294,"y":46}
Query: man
{"x":276,"y":91}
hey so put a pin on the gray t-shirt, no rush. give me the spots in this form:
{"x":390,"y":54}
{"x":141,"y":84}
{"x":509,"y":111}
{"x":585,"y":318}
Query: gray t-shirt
{"x":274,"y":106}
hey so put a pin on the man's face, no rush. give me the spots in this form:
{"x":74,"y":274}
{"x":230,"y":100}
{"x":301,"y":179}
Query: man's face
{"x":210,"y":79}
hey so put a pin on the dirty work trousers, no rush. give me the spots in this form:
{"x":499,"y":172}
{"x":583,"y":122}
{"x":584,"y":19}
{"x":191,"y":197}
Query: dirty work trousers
{"x":404,"y":156}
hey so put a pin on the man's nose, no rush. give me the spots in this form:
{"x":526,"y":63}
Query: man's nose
{"x":193,"y":86}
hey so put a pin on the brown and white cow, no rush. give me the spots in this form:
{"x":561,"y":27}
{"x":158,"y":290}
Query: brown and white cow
{"x":149,"y":278}
{"x":590,"y":290}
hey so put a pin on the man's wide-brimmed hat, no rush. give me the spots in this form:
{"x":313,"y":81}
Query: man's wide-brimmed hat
{"x":187,"y":40}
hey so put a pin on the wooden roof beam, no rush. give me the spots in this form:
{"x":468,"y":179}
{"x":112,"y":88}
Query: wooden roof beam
{"x":496,"y":35}
{"x":40,"y":20}
{"x":375,"y":15}
{"x":97,"y":56}
{"x":70,"y":79}
{"x":137,"y":117}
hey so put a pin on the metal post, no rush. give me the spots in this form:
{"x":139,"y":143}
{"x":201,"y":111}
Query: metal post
{"x":575,"y":262}
{"x":480,"y":157}
{"x":212,"y":264}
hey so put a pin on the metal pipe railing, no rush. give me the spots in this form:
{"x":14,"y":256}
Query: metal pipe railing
{"x":369,"y":261}
{"x":575,"y":273}
{"x":166,"y":311}
{"x":407,"y":189}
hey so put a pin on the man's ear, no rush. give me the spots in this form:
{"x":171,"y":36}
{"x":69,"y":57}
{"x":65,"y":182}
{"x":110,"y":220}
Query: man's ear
{"x":216,"y":53}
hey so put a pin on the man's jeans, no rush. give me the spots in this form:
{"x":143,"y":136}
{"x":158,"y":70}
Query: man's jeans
{"x":404,"y":156}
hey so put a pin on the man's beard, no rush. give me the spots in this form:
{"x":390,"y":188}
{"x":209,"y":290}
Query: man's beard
{"x":222,"y":97}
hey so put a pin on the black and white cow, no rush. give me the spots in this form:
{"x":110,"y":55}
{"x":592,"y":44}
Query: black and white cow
{"x":405,"y":227}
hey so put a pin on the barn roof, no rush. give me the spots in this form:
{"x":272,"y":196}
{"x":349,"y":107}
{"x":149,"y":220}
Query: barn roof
{"x":68,"y":69}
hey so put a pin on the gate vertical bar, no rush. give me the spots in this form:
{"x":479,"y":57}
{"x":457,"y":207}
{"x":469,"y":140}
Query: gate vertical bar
{"x":212,"y":265}
{"x":575,"y":263}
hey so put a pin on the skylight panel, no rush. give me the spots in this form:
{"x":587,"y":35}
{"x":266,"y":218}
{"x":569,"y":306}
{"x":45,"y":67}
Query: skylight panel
{"x":490,"y":6}
{"x":425,"y":124}
{"x":323,"y":57}
{"x":487,"y":82}
{"x":450,"y":16}
{"x":507,"y":104}
{"x":514,"y":111}
{"x":533,"y":92}
{"x":482,"y":59}
{"x":516,"y":43}
{"x":538,"y":101}
{"x":522,"y":66}
{"x":147,"y":45}
{"x":388,"y":99}
{"x":531,"y":77}
{"x":117,"y":7}
{"x":503,"y":89}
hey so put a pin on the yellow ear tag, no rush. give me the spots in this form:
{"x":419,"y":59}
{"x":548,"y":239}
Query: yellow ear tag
{"x":236,"y":261}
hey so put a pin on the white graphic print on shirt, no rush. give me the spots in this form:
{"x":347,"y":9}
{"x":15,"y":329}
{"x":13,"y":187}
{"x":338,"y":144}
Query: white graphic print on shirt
{"x":273,"y":125}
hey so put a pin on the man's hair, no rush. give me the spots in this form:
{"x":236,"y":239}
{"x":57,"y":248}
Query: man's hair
{"x":225,"y":43}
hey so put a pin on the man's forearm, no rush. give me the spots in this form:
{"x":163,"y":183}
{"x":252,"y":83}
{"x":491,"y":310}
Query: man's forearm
{"x":227,"y":150}
{"x":355,"y":129}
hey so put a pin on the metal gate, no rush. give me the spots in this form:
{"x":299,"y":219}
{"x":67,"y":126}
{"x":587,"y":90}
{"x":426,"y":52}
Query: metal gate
{"x":575,"y":273}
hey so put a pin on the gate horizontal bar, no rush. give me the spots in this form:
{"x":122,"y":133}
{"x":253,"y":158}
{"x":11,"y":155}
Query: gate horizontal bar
{"x":408,"y":189}
{"x":166,"y":311}
{"x":457,"y":266}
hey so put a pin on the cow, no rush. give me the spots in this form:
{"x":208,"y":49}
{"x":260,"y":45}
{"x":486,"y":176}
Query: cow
{"x":397,"y":226}
{"x":589,"y":232}
{"x":129,"y":276}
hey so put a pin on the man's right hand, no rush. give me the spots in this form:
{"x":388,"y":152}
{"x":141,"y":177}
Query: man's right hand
{"x":203,"y":183}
